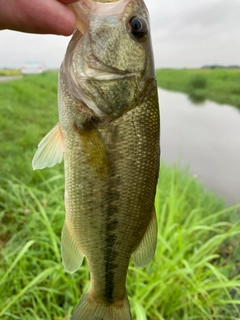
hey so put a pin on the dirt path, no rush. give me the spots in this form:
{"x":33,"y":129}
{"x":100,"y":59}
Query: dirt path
{"x":9,"y":78}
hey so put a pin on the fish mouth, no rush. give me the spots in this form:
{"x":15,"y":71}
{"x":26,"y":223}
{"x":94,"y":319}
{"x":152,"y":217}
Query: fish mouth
{"x":84,"y":9}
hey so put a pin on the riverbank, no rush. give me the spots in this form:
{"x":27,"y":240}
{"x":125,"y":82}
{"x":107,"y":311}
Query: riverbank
{"x":219,"y":85}
{"x":194,"y":274}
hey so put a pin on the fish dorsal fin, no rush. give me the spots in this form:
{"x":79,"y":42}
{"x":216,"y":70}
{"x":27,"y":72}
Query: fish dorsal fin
{"x":50,"y":149}
{"x":71,"y":255}
{"x":146,"y":249}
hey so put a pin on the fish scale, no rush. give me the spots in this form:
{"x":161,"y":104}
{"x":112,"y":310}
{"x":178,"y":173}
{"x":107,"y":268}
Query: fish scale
{"x":116,"y":197}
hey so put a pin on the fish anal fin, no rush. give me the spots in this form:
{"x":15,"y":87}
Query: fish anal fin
{"x":71,"y":255}
{"x":145,"y":251}
{"x":94,"y":151}
{"x":50,"y":149}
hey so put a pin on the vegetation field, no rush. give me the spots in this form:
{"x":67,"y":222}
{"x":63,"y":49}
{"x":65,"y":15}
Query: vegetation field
{"x":9,"y":72}
{"x":28,"y":111}
{"x":220,"y":85}
{"x":195,"y":272}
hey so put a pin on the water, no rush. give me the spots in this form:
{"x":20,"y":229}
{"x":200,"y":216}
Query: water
{"x":205,"y":137}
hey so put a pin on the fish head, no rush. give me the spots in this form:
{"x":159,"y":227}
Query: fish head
{"x":109,"y":61}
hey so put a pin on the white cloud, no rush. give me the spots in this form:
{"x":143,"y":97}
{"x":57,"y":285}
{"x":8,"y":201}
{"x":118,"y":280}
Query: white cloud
{"x":185,"y":33}
{"x":17,"y":48}
{"x":194,"y":33}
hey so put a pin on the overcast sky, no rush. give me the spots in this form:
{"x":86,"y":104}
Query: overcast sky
{"x":185,"y":33}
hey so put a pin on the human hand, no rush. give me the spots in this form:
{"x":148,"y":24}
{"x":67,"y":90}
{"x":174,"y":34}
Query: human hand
{"x":37,"y":16}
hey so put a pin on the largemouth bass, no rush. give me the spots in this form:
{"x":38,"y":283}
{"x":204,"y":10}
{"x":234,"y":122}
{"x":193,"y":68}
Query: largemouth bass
{"x":108,"y":131}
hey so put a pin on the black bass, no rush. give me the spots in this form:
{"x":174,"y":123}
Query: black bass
{"x":108,"y":131}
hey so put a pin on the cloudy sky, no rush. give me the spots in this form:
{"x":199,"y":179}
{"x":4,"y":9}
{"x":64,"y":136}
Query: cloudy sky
{"x":186,"y":33}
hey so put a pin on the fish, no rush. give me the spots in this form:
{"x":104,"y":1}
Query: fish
{"x":108,"y":133}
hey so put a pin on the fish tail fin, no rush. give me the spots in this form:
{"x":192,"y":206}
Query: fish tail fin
{"x":88,"y":309}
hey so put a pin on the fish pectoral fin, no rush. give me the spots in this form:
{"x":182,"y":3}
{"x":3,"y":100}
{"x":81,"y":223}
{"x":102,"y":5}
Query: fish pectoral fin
{"x":50,"y":149}
{"x":145,"y":251}
{"x":94,"y":152}
{"x":71,"y":255}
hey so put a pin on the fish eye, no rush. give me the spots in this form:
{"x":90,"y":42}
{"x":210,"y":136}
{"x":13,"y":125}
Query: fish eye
{"x":139,"y":28}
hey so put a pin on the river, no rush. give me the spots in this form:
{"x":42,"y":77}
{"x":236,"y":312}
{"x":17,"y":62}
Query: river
{"x":205,"y":137}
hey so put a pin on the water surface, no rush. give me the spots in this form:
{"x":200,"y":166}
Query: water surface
{"x":206,"y":137}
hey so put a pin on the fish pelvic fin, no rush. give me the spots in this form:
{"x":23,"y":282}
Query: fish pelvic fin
{"x":71,"y":255}
{"x":91,"y":309}
{"x":145,"y":251}
{"x":50,"y":149}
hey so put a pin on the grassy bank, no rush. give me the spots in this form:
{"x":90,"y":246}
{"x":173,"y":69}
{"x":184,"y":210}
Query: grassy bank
{"x":220,"y":85}
{"x":194,"y":274}
{"x":28,"y":111}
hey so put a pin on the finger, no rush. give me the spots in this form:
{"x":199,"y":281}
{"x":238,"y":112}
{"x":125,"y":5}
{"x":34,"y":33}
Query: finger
{"x":40,"y":17}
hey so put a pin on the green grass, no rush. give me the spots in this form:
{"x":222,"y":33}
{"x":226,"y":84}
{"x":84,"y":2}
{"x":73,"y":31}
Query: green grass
{"x":220,"y":85}
{"x":195,"y":272}
{"x":28,"y":111}
{"x":188,"y":279}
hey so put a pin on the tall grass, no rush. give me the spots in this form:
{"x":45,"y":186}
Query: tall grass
{"x":188,"y":278}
